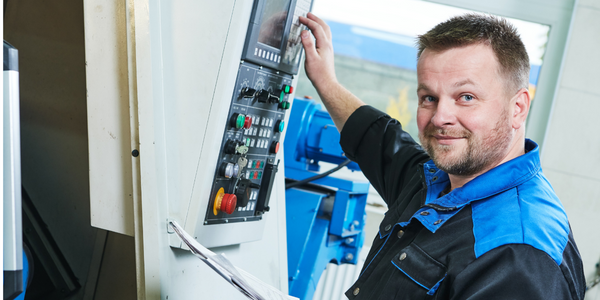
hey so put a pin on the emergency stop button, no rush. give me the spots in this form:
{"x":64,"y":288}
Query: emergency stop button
{"x":224,"y":202}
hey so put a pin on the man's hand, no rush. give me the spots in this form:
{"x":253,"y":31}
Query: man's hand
{"x":340,"y":103}
{"x":319,"y":54}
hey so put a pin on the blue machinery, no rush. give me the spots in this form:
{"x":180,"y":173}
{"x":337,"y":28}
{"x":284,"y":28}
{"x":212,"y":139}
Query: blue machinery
{"x":325,"y":218}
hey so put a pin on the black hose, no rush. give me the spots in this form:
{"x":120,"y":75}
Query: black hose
{"x":309,"y":179}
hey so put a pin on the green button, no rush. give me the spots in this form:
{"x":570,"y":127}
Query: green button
{"x":259,"y":175}
{"x":281,"y":96}
{"x":240,"y":121}
{"x":281,"y":126}
{"x":287,"y":89}
{"x":247,"y":142}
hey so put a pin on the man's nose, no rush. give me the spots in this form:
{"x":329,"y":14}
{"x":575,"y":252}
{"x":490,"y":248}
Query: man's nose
{"x":445,"y":113}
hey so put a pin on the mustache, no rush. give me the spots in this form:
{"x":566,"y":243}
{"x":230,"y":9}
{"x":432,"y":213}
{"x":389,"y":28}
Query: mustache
{"x":430,"y":130}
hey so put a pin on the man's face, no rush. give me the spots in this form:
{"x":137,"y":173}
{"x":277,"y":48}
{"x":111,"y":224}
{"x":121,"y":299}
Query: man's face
{"x":463,"y":115}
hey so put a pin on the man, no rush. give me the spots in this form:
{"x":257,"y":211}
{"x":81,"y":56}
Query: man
{"x":471,"y":216}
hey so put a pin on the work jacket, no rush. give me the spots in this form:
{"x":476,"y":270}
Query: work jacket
{"x":503,"y":235}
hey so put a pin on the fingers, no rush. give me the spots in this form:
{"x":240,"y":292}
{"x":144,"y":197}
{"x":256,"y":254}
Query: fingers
{"x":308,"y":44}
{"x":324,"y":25}
{"x":317,"y":30}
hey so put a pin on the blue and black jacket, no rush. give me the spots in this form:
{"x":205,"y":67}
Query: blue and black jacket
{"x":503,"y":235}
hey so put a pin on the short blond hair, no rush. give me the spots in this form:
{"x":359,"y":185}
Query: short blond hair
{"x":494,"y":31}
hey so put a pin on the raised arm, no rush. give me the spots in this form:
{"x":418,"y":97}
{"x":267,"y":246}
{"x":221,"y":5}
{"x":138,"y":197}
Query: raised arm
{"x":340,"y":103}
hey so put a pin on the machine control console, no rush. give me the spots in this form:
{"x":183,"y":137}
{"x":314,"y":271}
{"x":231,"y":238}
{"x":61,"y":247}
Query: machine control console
{"x":247,"y":161}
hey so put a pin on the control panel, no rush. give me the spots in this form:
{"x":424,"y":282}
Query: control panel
{"x":247,"y":163}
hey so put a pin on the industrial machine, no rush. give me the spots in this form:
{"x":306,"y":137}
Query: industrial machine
{"x":325,"y":214}
{"x":12,"y":221}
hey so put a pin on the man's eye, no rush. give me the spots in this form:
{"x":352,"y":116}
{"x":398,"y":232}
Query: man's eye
{"x":428,"y":99}
{"x":467,"y":97}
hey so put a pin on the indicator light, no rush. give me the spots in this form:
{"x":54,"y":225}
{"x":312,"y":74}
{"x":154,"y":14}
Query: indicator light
{"x":259,"y":175}
{"x":247,"y":142}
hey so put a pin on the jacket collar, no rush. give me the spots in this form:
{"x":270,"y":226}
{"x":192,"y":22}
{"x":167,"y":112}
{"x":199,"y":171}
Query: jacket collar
{"x":435,"y":211}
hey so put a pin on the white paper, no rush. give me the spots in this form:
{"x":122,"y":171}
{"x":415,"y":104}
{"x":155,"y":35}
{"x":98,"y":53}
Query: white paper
{"x":247,"y":284}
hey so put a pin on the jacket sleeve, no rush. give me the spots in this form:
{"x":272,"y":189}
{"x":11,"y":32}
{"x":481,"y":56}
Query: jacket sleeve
{"x":514,"y":271}
{"x":387,"y":155}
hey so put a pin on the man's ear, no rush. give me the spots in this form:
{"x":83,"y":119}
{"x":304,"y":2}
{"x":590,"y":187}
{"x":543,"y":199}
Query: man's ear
{"x":521,"y":102}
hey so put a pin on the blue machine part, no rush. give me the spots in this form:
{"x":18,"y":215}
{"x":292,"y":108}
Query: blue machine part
{"x":325,"y":220}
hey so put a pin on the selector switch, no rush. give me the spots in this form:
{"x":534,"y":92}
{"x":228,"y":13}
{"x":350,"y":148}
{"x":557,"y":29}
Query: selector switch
{"x":248,"y":92}
{"x":262,"y":96}
{"x":230,"y":147}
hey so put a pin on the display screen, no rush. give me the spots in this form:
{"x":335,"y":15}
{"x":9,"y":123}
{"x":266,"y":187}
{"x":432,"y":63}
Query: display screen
{"x":273,"y":22}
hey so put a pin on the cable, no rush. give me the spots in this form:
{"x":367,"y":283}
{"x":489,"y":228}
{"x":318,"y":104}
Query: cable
{"x":309,"y":179}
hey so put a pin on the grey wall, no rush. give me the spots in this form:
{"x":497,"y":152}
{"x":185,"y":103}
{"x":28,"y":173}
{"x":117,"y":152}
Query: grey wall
{"x":571,"y":154}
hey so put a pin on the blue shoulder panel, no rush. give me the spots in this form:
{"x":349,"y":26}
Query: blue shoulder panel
{"x":530,"y":213}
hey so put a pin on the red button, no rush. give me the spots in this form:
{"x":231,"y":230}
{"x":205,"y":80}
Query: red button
{"x":274,"y":147}
{"x":255,"y":175}
{"x":248,"y":122}
{"x":228,"y":203}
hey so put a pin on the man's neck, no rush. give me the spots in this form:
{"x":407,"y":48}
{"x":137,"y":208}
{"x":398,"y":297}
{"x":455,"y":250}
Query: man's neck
{"x":515,"y":151}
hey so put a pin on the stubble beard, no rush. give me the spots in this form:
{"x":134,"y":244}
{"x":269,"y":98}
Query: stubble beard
{"x":481,"y":152}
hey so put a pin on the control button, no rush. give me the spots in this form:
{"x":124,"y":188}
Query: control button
{"x":288,"y":89}
{"x":270,"y":123}
{"x":224,"y":202}
{"x":285,"y":105}
{"x":279,"y":126}
{"x":274,"y":147}
{"x":281,"y":96}
{"x":247,"y":142}
{"x":255,"y":176}
{"x":247,"y":122}
{"x":229,"y":170}
{"x":259,"y":175}
{"x":256,"y":120}
{"x":237,"y":120}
